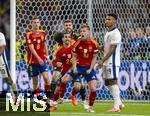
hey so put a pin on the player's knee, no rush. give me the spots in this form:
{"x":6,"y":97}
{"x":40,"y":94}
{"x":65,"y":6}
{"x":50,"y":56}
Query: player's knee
{"x":93,"y":89}
{"x":109,"y":82}
{"x":55,"y":76}
{"x":77,"y":86}
{"x":66,"y":79}
{"x":54,"y":80}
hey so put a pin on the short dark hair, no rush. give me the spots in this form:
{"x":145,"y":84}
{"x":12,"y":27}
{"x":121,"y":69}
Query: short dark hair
{"x":112,"y":15}
{"x":85,"y":26}
{"x":36,"y":17}
{"x":68,"y":21}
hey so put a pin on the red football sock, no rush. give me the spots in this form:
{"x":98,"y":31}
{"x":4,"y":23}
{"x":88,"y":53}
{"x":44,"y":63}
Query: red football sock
{"x":56,"y":96}
{"x":74,"y":92}
{"x":92,"y":98}
{"x":62,"y":89}
{"x":47,"y":90}
{"x":47,"y":87}
{"x":37,"y":91}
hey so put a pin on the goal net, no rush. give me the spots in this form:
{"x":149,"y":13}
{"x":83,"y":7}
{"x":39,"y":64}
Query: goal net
{"x":133,"y":18}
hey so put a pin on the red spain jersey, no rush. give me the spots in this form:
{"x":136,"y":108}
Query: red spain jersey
{"x":85,"y":51}
{"x":38,"y":40}
{"x":64,"y":55}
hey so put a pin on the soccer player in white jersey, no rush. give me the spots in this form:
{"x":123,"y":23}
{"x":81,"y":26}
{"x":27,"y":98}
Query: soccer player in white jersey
{"x":111,"y":60}
{"x":4,"y":72}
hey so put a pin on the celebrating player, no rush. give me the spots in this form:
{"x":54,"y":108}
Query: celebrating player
{"x":4,"y":72}
{"x":68,"y":27}
{"x":37,"y":56}
{"x":84,"y":59}
{"x":111,"y":60}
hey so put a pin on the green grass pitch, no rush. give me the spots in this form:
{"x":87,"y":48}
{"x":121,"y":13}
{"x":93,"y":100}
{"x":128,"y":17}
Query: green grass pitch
{"x":131,"y":109}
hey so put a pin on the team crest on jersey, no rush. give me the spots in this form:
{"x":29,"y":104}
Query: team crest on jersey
{"x":42,"y":38}
{"x":64,"y":55}
{"x":34,"y":39}
{"x":69,"y":55}
{"x":38,"y":41}
{"x":90,"y":48}
{"x":85,"y":50}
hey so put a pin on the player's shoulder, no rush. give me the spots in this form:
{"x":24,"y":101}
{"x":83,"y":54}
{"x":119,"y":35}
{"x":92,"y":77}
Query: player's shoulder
{"x":29,"y":33}
{"x":114,"y":31}
{"x":93,"y":40}
{"x":59,"y":49}
{"x":2,"y":35}
{"x":2,"y":39}
{"x":42,"y":31}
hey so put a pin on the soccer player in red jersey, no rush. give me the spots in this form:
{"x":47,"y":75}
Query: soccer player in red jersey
{"x":68,"y":27}
{"x":84,"y":58}
{"x":37,"y":56}
{"x":62,"y":61}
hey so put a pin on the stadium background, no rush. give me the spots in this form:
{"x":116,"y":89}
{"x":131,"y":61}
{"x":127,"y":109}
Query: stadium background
{"x":133,"y":23}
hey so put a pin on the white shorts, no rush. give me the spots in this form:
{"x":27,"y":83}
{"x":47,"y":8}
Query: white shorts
{"x":111,"y":72}
{"x":4,"y":71}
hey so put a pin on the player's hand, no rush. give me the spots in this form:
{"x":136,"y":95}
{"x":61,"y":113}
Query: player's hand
{"x":100,"y":64}
{"x":88,"y":71}
{"x":59,"y":64}
{"x":41,"y":62}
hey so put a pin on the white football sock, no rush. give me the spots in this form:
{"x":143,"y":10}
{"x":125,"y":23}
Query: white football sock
{"x":116,"y":95}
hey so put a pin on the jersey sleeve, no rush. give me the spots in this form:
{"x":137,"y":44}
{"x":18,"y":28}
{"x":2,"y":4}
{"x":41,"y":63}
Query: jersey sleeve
{"x":28,"y":39}
{"x":95,"y":47}
{"x":45,"y":37}
{"x":56,"y":58}
{"x":2,"y":39}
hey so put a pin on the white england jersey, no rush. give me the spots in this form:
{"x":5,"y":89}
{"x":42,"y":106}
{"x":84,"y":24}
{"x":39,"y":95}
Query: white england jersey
{"x":112,"y":37}
{"x":2,"y":39}
{"x":4,"y":72}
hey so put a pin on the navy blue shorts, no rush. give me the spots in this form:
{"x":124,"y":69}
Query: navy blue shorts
{"x":82,"y":74}
{"x":36,"y":69}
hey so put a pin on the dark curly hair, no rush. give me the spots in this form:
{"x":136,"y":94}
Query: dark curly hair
{"x":58,"y":37}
